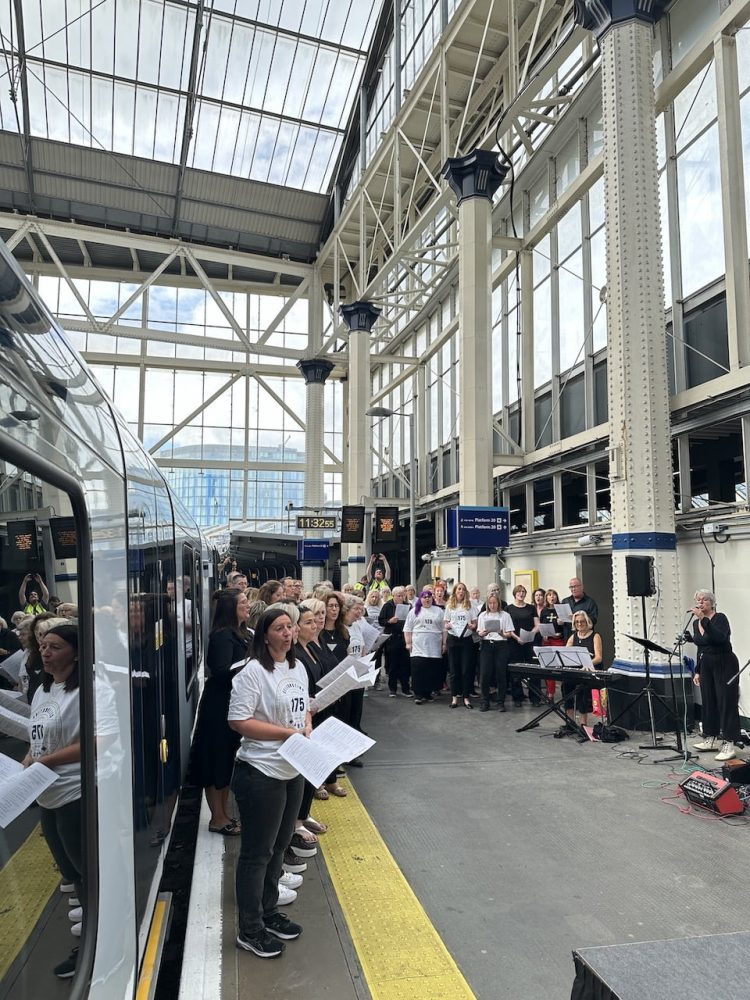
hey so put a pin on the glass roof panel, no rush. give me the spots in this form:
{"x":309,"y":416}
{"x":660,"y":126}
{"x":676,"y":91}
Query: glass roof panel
{"x":275,"y":80}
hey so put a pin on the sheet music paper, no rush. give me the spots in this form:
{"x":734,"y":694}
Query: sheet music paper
{"x":362,"y":665}
{"x":20,"y":786}
{"x":350,"y":680}
{"x":12,"y":724}
{"x":381,"y":640}
{"x":332,"y":743}
{"x":11,"y":666}
{"x":369,"y":634}
{"x":547,"y":630}
{"x":564,"y":656}
{"x":564,"y":612}
{"x":493,"y":625}
{"x":15,"y":701}
{"x":526,"y":636}
{"x":402,"y":612}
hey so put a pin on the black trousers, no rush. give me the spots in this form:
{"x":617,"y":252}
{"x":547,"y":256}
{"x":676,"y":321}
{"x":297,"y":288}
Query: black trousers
{"x":425,"y":674}
{"x":720,"y":711}
{"x":268,"y":810}
{"x":399,"y":666}
{"x":493,"y":668}
{"x":461,"y":664}
{"x":62,"y":829}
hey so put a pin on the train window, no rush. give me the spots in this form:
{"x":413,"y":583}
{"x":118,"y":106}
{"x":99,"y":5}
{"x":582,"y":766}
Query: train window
{"x":188,"y":613}
{"x":46,"y":693}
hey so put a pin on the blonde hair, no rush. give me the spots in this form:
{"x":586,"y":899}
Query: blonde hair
{"x":582,"y":614}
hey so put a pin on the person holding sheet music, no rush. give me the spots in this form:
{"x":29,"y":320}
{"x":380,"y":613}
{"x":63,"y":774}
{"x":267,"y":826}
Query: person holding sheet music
{"x":549,"y":616}
{"x":354,"y":609}
{"x":307,"y":654}
{"x":583,"y":636}
{"x":393,"y":617}
{"x":269,"y":703}
{"x":524,"y":618}
{"x":425,"y":639}
{"x":460,"y":622}
{"x":335,"y":637}
{"x":495,"y":627}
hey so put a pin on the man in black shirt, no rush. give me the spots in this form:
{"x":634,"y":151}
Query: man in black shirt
{"x":579,"y":601}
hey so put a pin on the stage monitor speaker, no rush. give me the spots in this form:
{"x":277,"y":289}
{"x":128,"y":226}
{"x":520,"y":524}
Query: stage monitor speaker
{"x":640,"y":575}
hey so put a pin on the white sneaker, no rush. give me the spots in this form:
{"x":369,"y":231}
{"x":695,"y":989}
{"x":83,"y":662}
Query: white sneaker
{"x":76,"y":929}
{"x":286,"y":896}
{"x":66,"y":887}
{"x":76,"y":914}
{"x":727,"y":751}
{"x":291,"y":881}
{"x":72,"y":901}
{"x":709,"y":743}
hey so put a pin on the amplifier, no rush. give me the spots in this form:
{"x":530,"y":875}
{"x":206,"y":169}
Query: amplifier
{"x":712,"y":793}
{"x":737,"y":771}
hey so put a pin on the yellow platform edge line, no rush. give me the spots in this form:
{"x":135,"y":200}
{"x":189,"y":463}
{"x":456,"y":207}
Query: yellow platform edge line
{"x":149,"y":969}
{"x":26,"y":883}
{"x":401,"y":953}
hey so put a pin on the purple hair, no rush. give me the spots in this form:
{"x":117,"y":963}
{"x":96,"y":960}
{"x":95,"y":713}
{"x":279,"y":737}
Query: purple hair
{"x":418,"y":602}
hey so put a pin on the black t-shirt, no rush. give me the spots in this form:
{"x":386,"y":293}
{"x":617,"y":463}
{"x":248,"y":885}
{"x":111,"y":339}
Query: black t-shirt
{"x":522,"y":617}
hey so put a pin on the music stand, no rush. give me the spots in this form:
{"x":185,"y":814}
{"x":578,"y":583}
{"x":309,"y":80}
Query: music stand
{"x":648,"y":691}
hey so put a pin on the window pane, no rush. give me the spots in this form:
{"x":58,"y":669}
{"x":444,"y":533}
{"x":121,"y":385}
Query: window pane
{"x":701,"y":226}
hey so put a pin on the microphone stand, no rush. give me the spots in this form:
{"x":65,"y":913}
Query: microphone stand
{"x":737,"y":675}
{"x":682,"y":750}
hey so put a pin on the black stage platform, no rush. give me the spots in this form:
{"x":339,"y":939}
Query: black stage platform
{"x":690,"y":968}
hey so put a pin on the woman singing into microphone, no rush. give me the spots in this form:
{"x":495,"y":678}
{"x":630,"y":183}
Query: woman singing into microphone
{"x":717,"y":664}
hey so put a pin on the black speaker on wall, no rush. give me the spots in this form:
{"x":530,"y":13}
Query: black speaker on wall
{"x":640,"y":573}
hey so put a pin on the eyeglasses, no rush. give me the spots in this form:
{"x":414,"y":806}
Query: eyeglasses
{"x":425,"y":596}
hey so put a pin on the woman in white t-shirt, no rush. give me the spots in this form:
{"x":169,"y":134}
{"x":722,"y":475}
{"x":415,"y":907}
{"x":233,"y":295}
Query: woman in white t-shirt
{"x":460,"y":624}
{"x":495,"y":627}
{"x":269,"y":703}
{"x":55,"y":741}
{"x":425,"y":640}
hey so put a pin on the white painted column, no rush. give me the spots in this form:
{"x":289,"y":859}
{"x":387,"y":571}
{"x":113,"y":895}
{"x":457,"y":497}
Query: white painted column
{"x":474,"y":179}
{"x":315,"y":371}
{"x":640,"y":454}
{"x":359,"y":317}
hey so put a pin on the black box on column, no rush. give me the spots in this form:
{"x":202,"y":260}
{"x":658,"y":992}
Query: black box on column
{"x":639,"y":571}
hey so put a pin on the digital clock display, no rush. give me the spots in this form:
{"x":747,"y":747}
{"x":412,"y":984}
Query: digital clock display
{"x":306,"y":522}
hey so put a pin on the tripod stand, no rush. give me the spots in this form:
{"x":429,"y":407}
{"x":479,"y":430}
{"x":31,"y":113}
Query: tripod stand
{"x":648,"y":692}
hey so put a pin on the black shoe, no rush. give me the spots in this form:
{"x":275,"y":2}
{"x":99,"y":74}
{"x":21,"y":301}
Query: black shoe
{"x":566,"y":730}
{"x":468,"y":704}
{"x":302,"y":848}
{"x":357,"y":762}
{"x":292,"y":863}
{"x":428,"y":698}
{"x":501,"y":708}
{"x":67,"y":969}
{"x":484,"y":706}
{"x":282,"y":927}
{"x":261,"y":944}
{"x":518,"y":704}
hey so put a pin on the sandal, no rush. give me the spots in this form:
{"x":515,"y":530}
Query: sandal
{"x":307,"y":835}
{"x":320,"y":794}
{"x":230,"y":830}
{"x":314,"y":826}
{"x":336,"y":790}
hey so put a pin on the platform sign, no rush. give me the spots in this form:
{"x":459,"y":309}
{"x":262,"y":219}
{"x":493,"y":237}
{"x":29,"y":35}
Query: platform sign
{"x":64,"y":537}
{"x":313,"y":549}
{"x":22,"y":539}
{"x":352,"y":525}
{"x":386,"y":525}
{"x":479,"y":527}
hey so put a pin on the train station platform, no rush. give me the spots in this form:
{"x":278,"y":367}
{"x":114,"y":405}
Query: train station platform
{"x":470,"y":860}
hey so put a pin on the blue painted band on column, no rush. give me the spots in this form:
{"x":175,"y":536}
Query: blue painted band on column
{"x":657,"y":541}
{"x":356,"y":559}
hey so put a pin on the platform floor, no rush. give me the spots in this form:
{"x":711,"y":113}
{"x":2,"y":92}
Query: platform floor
{"x":519,"y":847}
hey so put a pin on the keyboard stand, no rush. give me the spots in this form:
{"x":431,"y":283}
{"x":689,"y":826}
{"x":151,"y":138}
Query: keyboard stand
{"x":558,"y":708}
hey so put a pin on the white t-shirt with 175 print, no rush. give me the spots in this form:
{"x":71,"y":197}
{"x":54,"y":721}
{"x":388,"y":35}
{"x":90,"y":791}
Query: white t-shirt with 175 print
{"x":55,"y":723}
{"x":459,"y":619}
{"x":278,"y":696}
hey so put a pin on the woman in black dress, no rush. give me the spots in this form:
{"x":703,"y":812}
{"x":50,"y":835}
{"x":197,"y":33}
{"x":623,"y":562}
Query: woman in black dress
{"x":214,"y":743}
{"x":524,"y":617}
{"x":717,"y":664}
{"x":583,"y":636}
{"x":335,"y":637}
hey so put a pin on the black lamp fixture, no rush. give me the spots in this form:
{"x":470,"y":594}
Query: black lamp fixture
{"x":360,"y":316}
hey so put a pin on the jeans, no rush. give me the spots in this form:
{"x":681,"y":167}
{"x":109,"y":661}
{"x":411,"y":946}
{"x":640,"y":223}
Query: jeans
{"x":268,"y":810}
{"x":62,"y":829}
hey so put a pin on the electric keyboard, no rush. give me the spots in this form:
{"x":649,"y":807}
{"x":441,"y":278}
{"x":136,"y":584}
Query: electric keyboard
{"x":594,"y":679}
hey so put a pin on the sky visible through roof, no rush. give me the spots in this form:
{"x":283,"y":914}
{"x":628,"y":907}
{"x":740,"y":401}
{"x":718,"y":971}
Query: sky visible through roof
{"x":275,"y":80}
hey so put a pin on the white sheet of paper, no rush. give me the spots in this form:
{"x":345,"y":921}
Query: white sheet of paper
{"x":15,"y":701}
{"x":332,"y":743}
{"x":526,"y":636}
{"x":381,"y":640}
{"x":564,"y":656}
{"x":401,"y":611}
{"x":369,"y":634}
{"x":350,"y":680}
{"x":493,"y":625}
{"x":362,"y":665}
{"x":11,"y":666}
{"x":564,"y":613}
{"x":20,"y":786}
{"x":14,"y":725}
{"x":547,"y":629}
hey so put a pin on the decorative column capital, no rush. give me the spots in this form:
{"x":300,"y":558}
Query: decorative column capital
{"x":477,"y":175}
{"x":315,"y":370}
{"x":360,"y":316}
{"x":600,"y":15}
